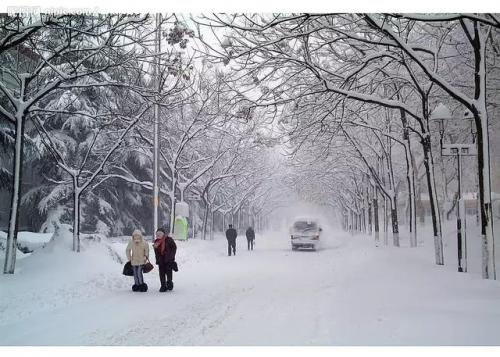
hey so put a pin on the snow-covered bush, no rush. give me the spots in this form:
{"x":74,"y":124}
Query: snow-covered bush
{"x":27,"y":242}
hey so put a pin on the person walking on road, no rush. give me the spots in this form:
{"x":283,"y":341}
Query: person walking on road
{"x":250,"y":233}
{"x":165,"y":249}
{"x":231,"y":235}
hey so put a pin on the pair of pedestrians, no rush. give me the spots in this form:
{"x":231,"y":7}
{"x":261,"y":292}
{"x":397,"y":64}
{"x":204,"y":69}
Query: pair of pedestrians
{"x":231,"y":235}
{"x":138,"y":255}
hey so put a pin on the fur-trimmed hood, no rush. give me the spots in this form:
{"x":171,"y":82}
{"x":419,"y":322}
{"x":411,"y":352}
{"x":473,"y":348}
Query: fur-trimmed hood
{"x":137,"y":253}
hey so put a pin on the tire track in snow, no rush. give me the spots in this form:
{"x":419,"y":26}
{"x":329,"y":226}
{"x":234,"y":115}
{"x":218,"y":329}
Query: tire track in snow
{"x":206,"y":314}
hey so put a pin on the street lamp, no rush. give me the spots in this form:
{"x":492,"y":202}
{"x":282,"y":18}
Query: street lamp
{"x":440,"y":114}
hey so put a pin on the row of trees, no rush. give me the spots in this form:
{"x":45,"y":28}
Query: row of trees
{"x":348,"y":98}
{"x":363,"y":87}
{"x":78,"y":96}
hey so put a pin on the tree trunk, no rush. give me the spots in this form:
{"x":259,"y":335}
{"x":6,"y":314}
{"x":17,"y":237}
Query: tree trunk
{"x":444,"y":184}
{"x":395,"y":227}
{"x":193,"y":222}
{"x":478,"y":202}
{"x":386,"y":223}
{"x":370,"y":213}
{"x":212,"y":225}
{"x":350,"y":221}
{"x":375,"y":215}
{"x":205,"y":220}
{"x":172,"y":199}
{"x":431,"y":185}
{"x":394,"y":199}
{"x":382,"y":175}
{"x":420,"y":206}
{"x":411,"y":194}
{"x":410,"y":181}
{"x":76,"y":215}
{"x":11,"y":246}
{"x":172,"y":210}
{"x":487,"y":241}
{"x":483,"y":154}
{"x":363,"y":220}
{"x":418,"y":192}
{"x":368,"y":207}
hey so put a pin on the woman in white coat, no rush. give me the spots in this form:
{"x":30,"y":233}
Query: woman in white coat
{"x":138,"y":254}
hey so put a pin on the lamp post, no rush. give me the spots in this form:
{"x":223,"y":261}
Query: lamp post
{"x":440,"y":114}
{"x":156,"y":127}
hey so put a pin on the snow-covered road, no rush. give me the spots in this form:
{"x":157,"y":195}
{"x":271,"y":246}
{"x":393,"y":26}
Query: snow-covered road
{"x":348,"y":293}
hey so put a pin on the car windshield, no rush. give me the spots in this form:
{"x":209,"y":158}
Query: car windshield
{"x":303,"y":226}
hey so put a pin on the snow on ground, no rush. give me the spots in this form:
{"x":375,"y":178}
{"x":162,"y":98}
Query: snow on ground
{"x":27,"y":240}
{"x":348,"y":293}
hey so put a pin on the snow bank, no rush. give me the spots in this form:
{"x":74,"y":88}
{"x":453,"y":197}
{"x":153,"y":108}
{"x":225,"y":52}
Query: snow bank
{"x":55,"y":276}
{"x":27,"y":241}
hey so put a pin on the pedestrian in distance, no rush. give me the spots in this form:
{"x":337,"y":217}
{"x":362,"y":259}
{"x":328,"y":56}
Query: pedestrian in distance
{"x":250,"y":233}
{"x":165,"y":249}
{"x":138,"y":254}
{"x":231,"y":235}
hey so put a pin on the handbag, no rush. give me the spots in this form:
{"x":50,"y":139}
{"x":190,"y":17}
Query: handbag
{"x":147,"y":267}
{"x":174,"y":266}
{"x":127,"y":269}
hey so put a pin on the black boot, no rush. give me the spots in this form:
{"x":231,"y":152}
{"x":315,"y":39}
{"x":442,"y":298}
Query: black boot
{"x":143,"y":287}
{"x":135,"y":287}
{"x":163,"y":288}
{"x":170,"y":285}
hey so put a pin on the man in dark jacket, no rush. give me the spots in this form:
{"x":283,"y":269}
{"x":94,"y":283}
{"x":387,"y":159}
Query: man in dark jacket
{"x":165,"y":249}
{"x":250,"y":237}
{"x":231,"y":235}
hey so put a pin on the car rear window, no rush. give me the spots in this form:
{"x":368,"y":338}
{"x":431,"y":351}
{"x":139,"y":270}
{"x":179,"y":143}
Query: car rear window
{"x":303,"y":226}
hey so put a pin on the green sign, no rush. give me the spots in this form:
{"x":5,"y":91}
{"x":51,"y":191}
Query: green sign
{"x":180,"y":228}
